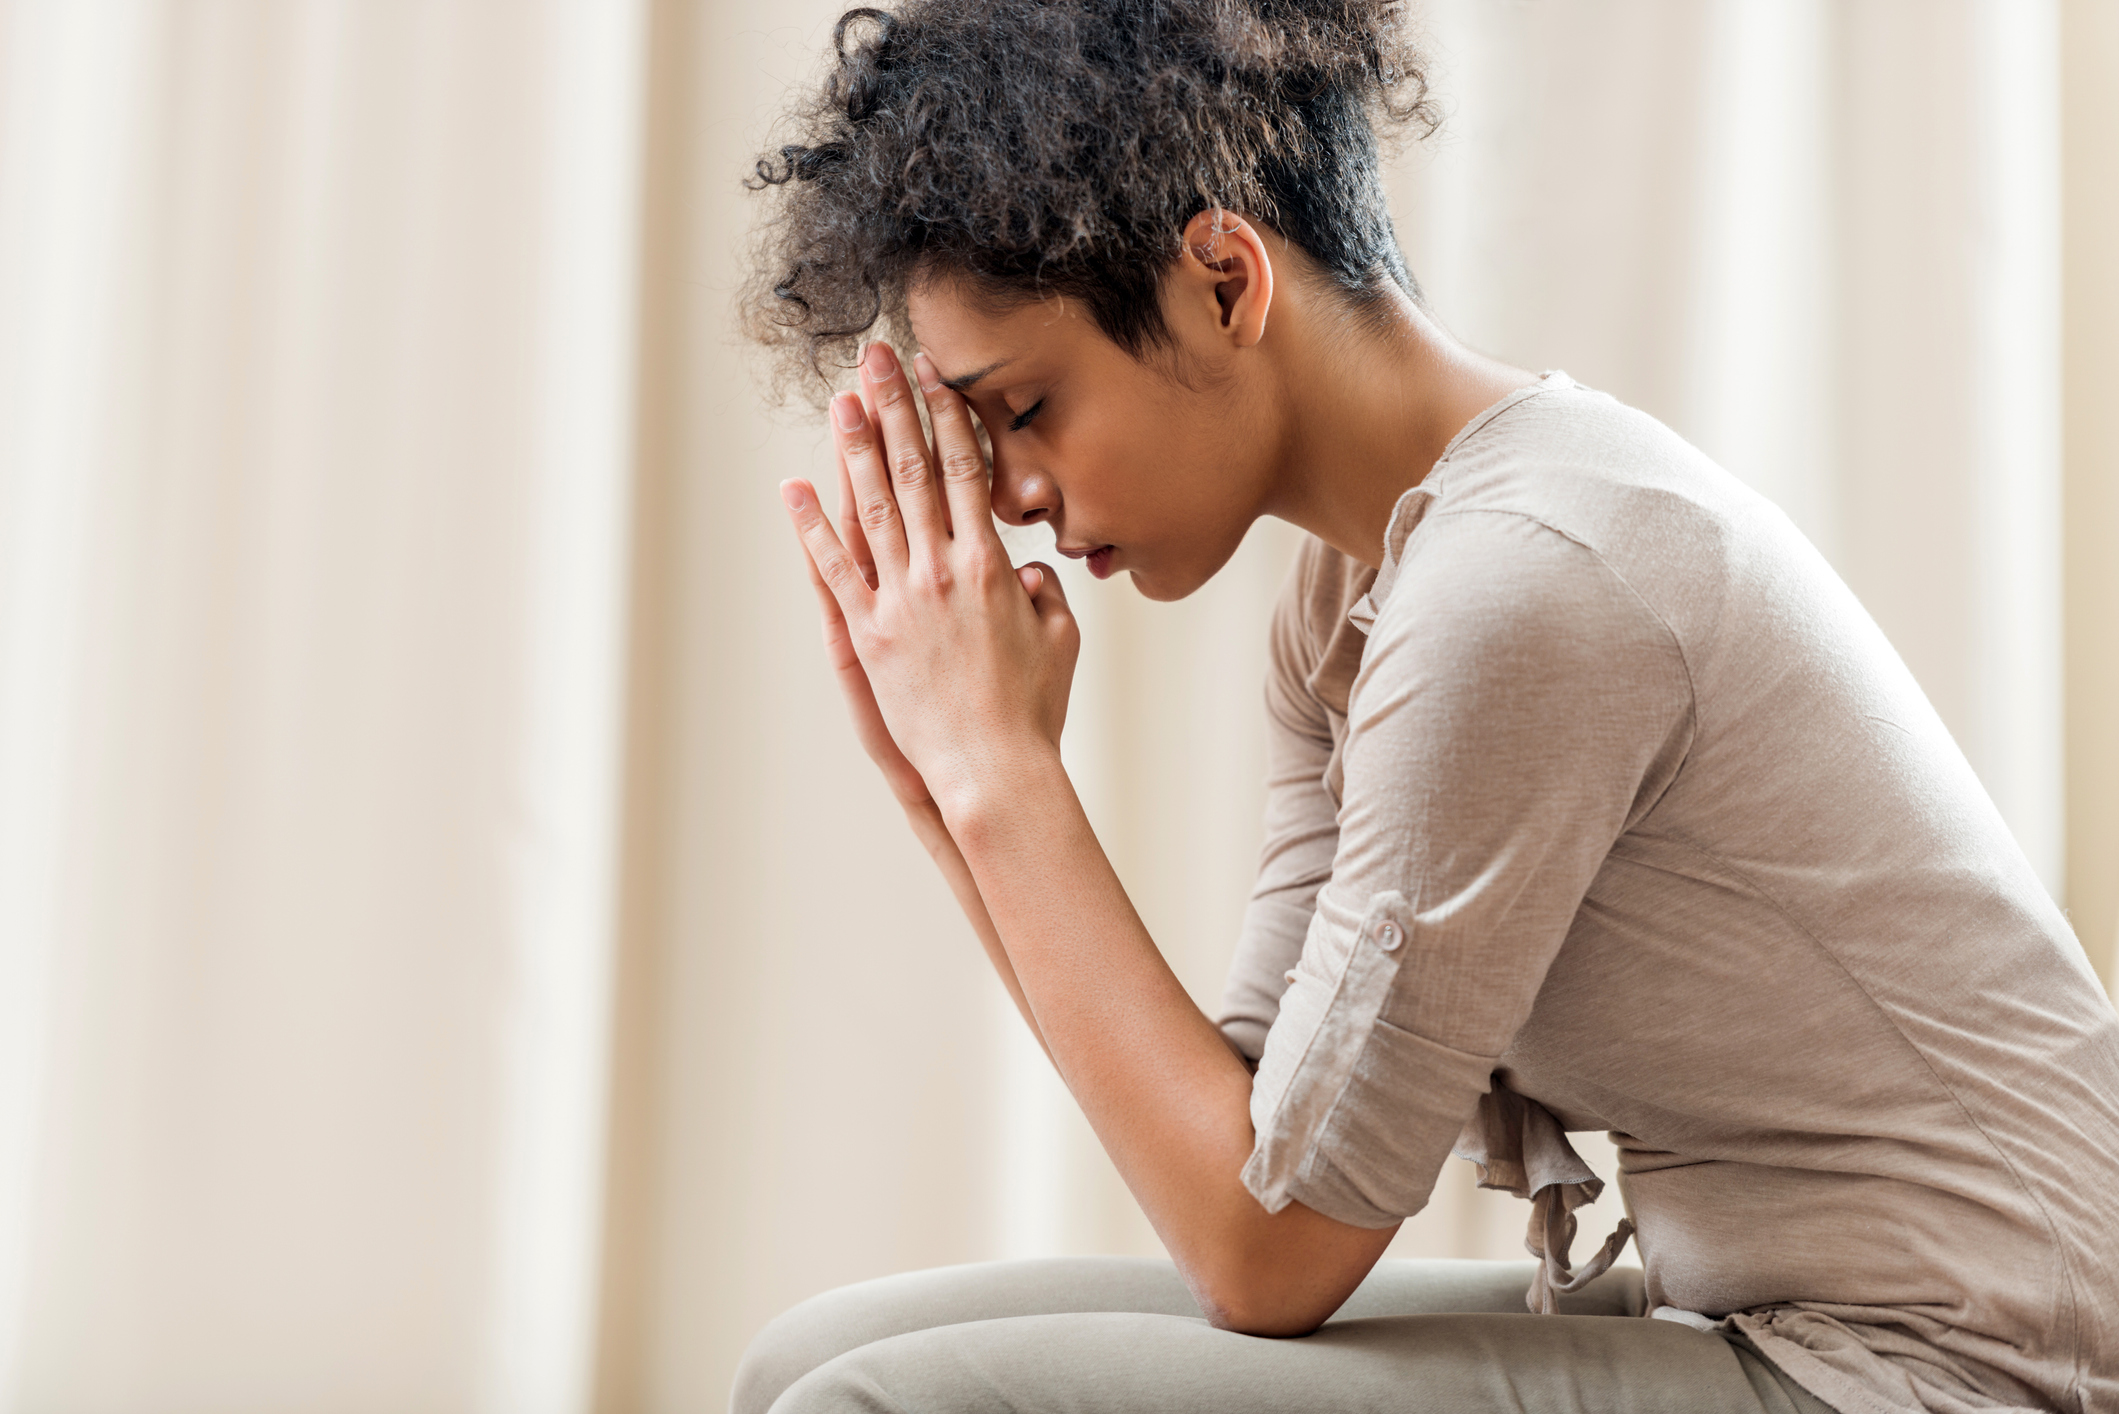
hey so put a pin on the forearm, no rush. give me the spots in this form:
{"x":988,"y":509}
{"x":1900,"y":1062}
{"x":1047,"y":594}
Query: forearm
{"x":1169,"y":1099}
{"x":927,"y":824}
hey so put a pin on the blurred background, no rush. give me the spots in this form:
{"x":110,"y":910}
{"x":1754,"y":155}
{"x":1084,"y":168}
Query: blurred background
{"x":452,"y":955}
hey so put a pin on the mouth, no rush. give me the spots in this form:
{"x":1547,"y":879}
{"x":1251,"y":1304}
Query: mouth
{"x":1098,"y":558}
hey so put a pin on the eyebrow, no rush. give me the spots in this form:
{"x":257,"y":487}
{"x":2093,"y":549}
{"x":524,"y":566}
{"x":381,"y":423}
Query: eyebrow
{"x":962,"y":383}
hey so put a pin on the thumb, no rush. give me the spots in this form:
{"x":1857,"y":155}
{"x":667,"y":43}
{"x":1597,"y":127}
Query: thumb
{"x":1043,"y":586}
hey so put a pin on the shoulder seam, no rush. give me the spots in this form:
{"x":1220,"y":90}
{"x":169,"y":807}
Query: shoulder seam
{"x":1677,"y":645}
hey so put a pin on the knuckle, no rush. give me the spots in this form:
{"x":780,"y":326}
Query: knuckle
{"x":877,"y":514}
{"x":870,"y":638}
{"x":936,"y":573}
{"x":912,"y":468}
{"x":839,"y":573}
{"x":986,"y":569}
{"x":962,"y":466}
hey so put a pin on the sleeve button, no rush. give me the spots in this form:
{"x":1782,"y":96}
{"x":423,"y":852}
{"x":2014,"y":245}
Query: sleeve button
{"x":1388,"y":937}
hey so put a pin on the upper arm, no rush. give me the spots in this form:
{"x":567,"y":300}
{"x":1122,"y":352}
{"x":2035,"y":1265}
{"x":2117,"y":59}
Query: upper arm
{"x":1295,"y":859}
{"x":1301,"y":831}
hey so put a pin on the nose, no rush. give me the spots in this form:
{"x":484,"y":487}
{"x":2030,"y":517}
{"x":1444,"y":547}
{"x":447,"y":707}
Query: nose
{"x":1023,"y":497}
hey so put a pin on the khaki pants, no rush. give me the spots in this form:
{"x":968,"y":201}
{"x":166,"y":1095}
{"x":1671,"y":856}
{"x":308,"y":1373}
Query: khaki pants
{"x":1109,"y":1334}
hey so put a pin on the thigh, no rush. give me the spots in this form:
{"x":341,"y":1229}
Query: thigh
{"x":1127,"y":1363}
{"x":1429,"y":1286}
{"x":827,"y":1326}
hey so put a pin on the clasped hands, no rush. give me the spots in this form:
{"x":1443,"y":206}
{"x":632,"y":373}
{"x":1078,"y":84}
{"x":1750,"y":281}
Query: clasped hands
{"x":955,"y":665}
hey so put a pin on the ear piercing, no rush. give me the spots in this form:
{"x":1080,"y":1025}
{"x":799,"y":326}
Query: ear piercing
{"x":1210,"y":250}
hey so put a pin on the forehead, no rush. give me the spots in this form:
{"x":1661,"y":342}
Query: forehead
{"x":965,"y":335}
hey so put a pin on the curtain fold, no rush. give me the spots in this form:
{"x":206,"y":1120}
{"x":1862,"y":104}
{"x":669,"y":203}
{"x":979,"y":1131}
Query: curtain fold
{"x":2090,"y":499}
{"x":314,"y":451}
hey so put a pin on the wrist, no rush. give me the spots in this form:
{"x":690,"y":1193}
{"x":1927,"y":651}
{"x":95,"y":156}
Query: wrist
{"x":925,"y":819}
{"x":998,"y":782}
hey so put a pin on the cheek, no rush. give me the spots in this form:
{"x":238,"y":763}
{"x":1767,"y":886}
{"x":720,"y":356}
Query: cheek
{"x":1105,"y":467}
{"x":1187,"y":466}
{"x":1152,"y":471}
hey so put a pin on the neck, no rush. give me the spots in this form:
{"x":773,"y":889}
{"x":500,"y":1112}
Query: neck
{"x":1368,"y":414}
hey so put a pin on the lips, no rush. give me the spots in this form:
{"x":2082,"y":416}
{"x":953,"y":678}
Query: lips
{"x":1098,"y":557}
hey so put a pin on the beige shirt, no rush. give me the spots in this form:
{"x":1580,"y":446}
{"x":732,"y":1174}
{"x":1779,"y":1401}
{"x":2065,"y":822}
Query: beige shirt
{"x":1607,"y":794}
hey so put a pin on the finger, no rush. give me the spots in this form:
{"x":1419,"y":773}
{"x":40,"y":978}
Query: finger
{"x":845,"y":663}
{"x":1047,"y":595}
{"x":965,"y":480}
{"x":905,"y":446}
{"x":850,"y":532}
{"x":861,"y":448}
{"x":836,"y":637}
{"x":841,"y":575}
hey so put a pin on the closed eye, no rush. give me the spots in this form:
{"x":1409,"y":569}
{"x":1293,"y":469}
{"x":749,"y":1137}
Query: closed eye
{"x":1022,"y":419}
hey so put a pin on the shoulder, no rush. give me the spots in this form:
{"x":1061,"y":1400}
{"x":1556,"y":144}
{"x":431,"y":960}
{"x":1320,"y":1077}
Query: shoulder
{"x":1517,"y":581}
{"x":1560,"y":420}
{"x":1611,"y":478}
{"x":1699,"y":549}
{"x":1501,"y":596}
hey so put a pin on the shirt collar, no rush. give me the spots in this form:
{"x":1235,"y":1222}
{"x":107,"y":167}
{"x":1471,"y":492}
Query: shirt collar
{"x":1413,"y":506}
{"x":1407,"y":514}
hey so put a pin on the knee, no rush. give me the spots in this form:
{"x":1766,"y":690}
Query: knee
{"x":792,"y":1344}
{"x":824,"y":1328}
{"x":845,"y":1384}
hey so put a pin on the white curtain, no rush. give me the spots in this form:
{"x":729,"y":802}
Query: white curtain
{"x":452,"y":955}
{"x":315,"y":397}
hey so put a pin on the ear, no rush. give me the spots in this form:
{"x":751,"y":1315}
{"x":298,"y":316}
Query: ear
{"x":1227,"y":273}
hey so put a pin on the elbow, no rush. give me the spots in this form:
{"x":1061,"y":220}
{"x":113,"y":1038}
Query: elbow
{"x":1268,"y":1325}
{"x":1254,"y":1304}
{"x":1276,"y":1275}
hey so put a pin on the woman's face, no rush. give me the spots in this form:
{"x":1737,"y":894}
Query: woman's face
{"x":1131,"y":468}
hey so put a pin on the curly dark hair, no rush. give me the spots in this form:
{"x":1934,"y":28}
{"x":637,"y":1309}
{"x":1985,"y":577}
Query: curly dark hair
{"x":1058,"y":147}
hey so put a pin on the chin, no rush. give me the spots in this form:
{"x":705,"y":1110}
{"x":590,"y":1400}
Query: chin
{"x":1161,"y":590}
{"x":1166,"y":583}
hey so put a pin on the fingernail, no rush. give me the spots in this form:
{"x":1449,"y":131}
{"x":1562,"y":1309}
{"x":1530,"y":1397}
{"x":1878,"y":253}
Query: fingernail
{"x":791,"y":492}
{"x":878,"y":359}
{"x":929,"y":379}
{"x":846,"y":411}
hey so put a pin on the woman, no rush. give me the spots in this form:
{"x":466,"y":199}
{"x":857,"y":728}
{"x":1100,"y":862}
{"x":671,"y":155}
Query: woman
{"x":1596,"y":800}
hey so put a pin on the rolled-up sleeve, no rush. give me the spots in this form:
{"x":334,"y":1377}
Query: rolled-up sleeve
{"x":1518,"y":708}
